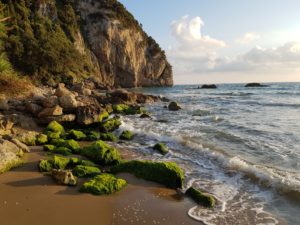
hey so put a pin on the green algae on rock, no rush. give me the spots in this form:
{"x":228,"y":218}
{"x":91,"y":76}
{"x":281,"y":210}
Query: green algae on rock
{"x":53,"y":135}
{"x":41,"y":139}
{"x":127,"y":109}
{"x":49,"y":148}
{"x":201,"y":198}
{"x":166,"y":173}
{"x":45,"y":165}
{"x":73,"y":146}
{"x":86,"y":171}
{"x":110,"y":125}
{"x":101,"y":153}
{"x":55,"y":127}
{"x":126,"y":135}
{"x":76,"y":134}
{"x":108,"y":137}
{"x":161,"y":147}
{"x":103,"y":184}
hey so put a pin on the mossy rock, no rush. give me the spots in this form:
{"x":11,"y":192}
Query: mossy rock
{"x":110,"y":125}
{"x":101,"y":153}
{"x":201,"y":198}
{"x":104,"y":115}
{"x":108,"y":137}
{"x":93,"y":136}
{"x":55,"y":127}
{"x":74,"y":161}
{"x":53,"y":135}
{"x":104,"y":184}
{"x":166,"y":173}
{"x":127,"y":109}
{"x":45,"y":165}
{"x":86,"y":171}
{"x":49,"y":148}
{"x":87,"y":163}
{"x":162,"y":148}
{"x":59,"y":162}
{"x":28,"y":139}
{"x":62,"y":151}
{"x":41,"y":139}
{"x":59,"y":142}
{"x":126,"y":135}
{"x":73,"y":146}
{"x":76,"y":134}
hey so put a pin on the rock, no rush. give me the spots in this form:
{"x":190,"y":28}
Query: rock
{"x":103,"y":184}
{"x":86,"y":91}
{"x":164,"y":99}
{"x":22,"y":146}
{"x":110,"y":125}
{"x":64,"y":177}
{"x":101,"y":153}
{"x":126,"y":135}
{"x":10,"y":155}
{"x":50,"y":102}
{"x":68,"y":102}
{"x":86,"y":171}
{"x":208,"y":86}
{"x":55,"y":111}
{"x":62,"y":90}
{"x":27,"y":137}
{"x":3,"y":103}
{"x":200,"y":198}
{"x":108,"y":137}
{"x":76,"y":134}
{"x":87,"y":115}
{"x":55,"y":127}
{"x":33,"y":108}
{"x":173,"y":106}
{"x":6,"y":125}
{"x":41,"y":139}
{"x":161,"y":147}
{"x":122,"y":96}
{"x":61,"y":119}
{"x":145,"y":115}
{"x":255,"y":85}
{"x":166,"y":173}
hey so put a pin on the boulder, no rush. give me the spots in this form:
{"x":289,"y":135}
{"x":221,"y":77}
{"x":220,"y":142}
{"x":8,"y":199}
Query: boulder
{"x":33,"y":108}
{"x":108,"y":137}
{"x":255,"y":85}
{"x":3,"y":103}
{"x":68,"y":102}
{"x":62,"y":119}
{"x":173,"y":106}
{"x":10,"y":155}
{"x":20,"y":145}
{"x":41,"y":139}
{"x":64,"y":177}
{"x":161,"y":147}
{"x":110,"y":125}
{"x":126,"y":135}
{"x":87,"y":115}
{"x":27,"y":137}
{"x":55,"y":111}
{"x":50,"y":102}
{"x":86,"y":171}
{"x":6,"y":125}
{"x":208,"y":86}
{"x":61,"y":90}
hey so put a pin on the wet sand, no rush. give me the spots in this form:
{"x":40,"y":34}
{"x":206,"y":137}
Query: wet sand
{"x":29,"y":197}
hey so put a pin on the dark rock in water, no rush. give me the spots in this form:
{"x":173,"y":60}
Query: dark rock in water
{"x":208,"y":86}
{"x":145,"y":115}
{"x":201,"y":198}
{"x":164,"y":99}
{"x":124,"y":96}
{"x":162,"y":121}
{"x":255,"y":85}
{"x":173,"y":106}
{"x":162,"y":148}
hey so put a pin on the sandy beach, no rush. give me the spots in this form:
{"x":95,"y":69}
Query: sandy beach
{"x":29,"y":197}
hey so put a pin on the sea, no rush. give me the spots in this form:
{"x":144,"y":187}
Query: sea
{"x":241,"y":145}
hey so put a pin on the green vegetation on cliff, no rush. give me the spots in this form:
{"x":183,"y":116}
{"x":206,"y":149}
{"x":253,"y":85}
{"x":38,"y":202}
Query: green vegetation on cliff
{"x":41,"y":41}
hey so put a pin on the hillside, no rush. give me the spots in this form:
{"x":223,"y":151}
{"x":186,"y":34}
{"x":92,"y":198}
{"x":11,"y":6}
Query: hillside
{"x":68,"y":41}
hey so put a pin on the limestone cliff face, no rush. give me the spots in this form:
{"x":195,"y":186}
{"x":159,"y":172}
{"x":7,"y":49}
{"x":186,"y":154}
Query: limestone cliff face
{"x":122,"y":52}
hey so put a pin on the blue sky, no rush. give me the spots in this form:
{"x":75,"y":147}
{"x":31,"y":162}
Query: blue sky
{"x":218,"y":41}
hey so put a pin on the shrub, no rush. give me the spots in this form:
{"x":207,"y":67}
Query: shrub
{"x":166,"y":173}
{"x":202,"y":199}
{"x":103,"y":184}
{"x":101,"y":153}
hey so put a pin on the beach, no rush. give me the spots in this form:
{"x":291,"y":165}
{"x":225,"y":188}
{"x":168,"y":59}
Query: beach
{"x":29,"y":197}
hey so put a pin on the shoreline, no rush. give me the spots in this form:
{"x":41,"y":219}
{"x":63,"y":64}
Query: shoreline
{"x":34,"y":197}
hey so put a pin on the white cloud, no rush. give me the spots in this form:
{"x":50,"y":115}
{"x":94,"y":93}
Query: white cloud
{"x":196,"y":53}
{"x":247,"y":38}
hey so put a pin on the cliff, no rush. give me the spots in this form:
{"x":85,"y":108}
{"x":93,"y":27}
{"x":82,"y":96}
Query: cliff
{"x":71,"y":40}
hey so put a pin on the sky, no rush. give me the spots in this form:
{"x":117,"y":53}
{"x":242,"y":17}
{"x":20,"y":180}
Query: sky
{"x":218,"y":41}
